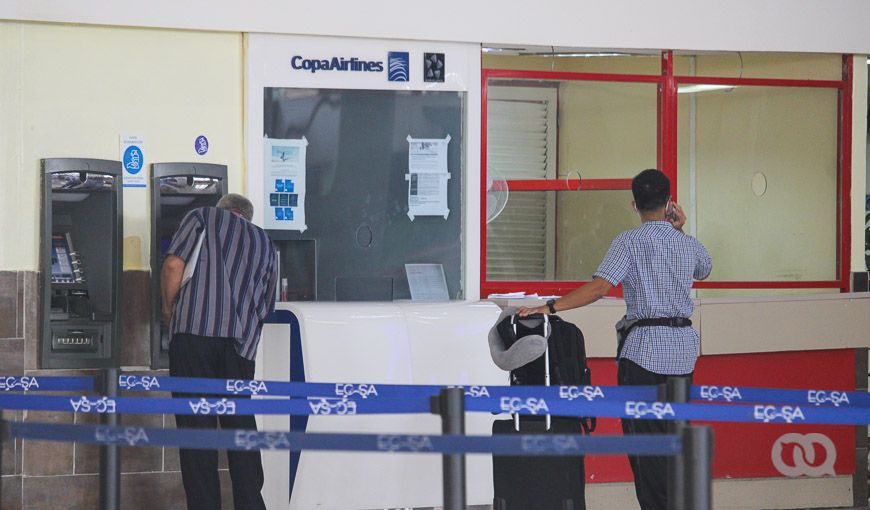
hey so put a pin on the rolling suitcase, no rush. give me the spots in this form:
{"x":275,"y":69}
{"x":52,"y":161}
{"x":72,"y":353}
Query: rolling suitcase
{"x":545,"y":483}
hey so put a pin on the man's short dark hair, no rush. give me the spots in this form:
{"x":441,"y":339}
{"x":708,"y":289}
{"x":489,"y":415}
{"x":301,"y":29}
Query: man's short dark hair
{"x":651,"y":189}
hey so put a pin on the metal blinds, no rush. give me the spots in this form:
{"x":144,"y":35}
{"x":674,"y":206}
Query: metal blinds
{"x":521,"y":144}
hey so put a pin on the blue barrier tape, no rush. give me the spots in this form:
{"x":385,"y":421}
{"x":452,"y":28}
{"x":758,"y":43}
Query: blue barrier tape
{"x":761,"y":413}
{"x":515,"y":445}
{"x":29,"y":383}
{"x":211,"y":406}
{"x":357,"y":391}
{"x":780,"y":396}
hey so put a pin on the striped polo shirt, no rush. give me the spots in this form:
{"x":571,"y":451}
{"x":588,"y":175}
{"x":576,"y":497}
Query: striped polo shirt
{"x":232,"y":289}
{"x":656,"y":265}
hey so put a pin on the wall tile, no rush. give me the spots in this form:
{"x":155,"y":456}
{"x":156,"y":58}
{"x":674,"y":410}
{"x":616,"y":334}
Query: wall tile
{"x":11,"y":307}
{"x":72,"y":492}
{"x":11,"y":489}
{"x":42,"y":458}
{"x":136,"y":318}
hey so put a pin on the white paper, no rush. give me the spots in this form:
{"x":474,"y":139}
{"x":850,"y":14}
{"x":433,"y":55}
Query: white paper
{"x":190,"y":267}
{"x":427,"y":177}
{"x":427,"y":154}
{"x":427,"y":282}
{"x":284,"y":185}
{"x":131,"y":152}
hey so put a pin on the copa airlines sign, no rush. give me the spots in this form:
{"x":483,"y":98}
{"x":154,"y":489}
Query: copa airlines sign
{"x":314,"y":65}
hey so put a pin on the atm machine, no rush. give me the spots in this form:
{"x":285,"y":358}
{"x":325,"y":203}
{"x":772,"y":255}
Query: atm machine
{"x":80,"y":263}
{"x":176,"y":189}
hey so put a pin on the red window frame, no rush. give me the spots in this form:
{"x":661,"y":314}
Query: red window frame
{"x":666,"y":157}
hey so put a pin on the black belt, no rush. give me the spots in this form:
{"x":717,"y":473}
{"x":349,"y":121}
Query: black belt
{"x":673,"y":322}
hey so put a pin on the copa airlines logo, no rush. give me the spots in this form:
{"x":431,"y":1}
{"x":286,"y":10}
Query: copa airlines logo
{"x":131,"y":435}
{"x":796,"y":455}
{"x":219,"y":407}
{"x":24,"y":383}
{"x":820,"y":397}
{"x":352,"y":64}
{"x":250,"y":440}
{"x":102,"y":405}
{"x":392,"y":443}
{"x":545,"y":444}
{"x":530,"y":405}
{"x":398,"y":66}
{"x":659,"y":410}
{"x":726,"y":393}
{"x":349,"y":390}
{"x":237,"y":386}
{"x":132,"y":382}
{"x":571,"y":393}
{"x":331,"y":406}
{"x":788,"y":414}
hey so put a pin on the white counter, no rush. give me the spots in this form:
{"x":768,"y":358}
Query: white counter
{"x":382,"y":343}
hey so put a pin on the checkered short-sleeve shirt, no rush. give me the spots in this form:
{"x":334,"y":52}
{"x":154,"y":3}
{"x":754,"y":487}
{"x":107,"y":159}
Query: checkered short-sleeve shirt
{"x":656,"y":264}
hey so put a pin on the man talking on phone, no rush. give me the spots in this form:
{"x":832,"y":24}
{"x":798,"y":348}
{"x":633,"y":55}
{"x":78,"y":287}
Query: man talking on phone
{"x":656,"y":264}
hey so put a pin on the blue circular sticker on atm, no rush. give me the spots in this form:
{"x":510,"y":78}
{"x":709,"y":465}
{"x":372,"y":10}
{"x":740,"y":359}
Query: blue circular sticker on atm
{"x":201,"y":145}
{"x":133,"y":159}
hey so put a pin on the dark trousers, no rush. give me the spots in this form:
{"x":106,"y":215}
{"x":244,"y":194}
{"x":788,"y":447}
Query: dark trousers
{"x":201,"y":356}
{"x":650,"y":472}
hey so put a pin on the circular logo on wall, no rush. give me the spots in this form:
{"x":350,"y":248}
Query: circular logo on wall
{"x":201,"y":145}
{"x":133,"y":159}
{"x":796,"y":455}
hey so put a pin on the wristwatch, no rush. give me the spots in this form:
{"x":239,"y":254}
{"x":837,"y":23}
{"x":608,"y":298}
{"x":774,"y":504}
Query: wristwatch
{"x":551,"y":305}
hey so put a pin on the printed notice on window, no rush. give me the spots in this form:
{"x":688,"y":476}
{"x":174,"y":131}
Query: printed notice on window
{"x":427,"y":282}
{"x":284,"y":186}
{"x":427,"y":177}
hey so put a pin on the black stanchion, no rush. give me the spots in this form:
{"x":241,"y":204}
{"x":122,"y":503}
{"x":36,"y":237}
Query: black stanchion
{"x":450,"y":404}
{"x":110,"y":462}
{"x":698,"y":458}
{"x":676,"y":390}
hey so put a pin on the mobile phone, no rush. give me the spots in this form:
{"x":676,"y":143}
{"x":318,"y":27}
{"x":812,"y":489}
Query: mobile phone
{"x":669,"y":211}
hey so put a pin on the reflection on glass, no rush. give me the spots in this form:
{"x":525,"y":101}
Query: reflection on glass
{"x":555,"y":236}
{"x":788,"y":135}
{"x":605,"y":130}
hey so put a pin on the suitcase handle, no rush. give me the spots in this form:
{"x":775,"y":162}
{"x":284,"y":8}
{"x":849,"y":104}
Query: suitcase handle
{"x":547,"y":331}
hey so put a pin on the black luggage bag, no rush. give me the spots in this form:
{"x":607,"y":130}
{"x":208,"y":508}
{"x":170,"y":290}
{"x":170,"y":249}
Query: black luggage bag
{"x":546,"y":482}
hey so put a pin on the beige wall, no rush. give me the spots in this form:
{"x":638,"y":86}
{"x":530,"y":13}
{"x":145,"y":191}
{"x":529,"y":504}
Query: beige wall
{"x":70,"y":91}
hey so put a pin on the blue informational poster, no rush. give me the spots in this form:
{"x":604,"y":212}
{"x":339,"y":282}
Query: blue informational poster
{"x":284,"y":181}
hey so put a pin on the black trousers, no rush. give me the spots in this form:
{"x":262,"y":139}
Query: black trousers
{"x":650,"y":472}
{"x":201,"y":356}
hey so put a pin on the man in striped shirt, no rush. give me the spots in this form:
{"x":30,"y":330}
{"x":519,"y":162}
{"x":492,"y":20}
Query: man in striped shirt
{"x":656,"y":264}
{"x":215,"y":319}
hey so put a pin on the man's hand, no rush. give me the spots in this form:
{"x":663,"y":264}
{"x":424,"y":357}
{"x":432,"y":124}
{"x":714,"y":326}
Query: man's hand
{"x":170,"y":283}
{"x":680,"y":217}
{"x":524,"y":311}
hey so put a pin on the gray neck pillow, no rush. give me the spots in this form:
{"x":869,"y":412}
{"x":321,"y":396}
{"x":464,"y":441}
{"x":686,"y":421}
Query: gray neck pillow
{"x":524,"y":350}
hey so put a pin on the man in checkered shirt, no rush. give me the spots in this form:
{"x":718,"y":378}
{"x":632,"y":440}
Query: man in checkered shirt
{"x":656,"y":264}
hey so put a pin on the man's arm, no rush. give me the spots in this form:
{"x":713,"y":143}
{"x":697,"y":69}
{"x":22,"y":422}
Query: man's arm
{"x":581,"y":296}
{"x":170,"y":283}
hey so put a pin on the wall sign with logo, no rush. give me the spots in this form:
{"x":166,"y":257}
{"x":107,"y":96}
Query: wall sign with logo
{"x":132,"y":155}
{"x":200,"y":145}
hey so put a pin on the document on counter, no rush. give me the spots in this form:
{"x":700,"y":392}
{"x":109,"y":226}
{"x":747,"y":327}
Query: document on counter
{"x":427,"y":177}
{"x":427,"y":282}
{"x":284,"y":186}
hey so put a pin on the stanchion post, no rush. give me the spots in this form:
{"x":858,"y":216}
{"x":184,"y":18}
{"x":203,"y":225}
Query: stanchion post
{"x":698,"y":458}
{"x":676,"y":389}
{"x":450,"y":404}
{"x":110,"y":462}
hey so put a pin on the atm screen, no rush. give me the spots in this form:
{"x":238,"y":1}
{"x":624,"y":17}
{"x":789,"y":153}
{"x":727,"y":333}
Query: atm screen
{"x":61,"y":259}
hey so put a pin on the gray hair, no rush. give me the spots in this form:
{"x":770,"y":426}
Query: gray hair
{"x":237,"y":203}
